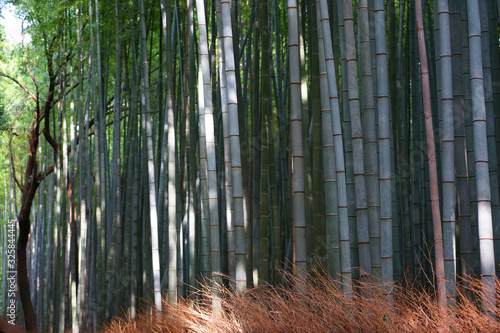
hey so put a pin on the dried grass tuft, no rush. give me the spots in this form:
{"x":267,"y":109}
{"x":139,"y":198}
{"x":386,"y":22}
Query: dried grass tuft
{"x":317,"y":304}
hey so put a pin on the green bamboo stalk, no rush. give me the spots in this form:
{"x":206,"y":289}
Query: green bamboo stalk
{"x":192,"y":160}
{"x":384,"y":143}
{"x":329,"y":165}
{"x":469,"y":131}
{"x":347,"y":137}
{"x":265,"y":142}
{"x":234,"y":138}
{"x":490,"y":127}
{"x":210,"y":144}
{"x":357,"y":143}
{"x":82,"y":187}
{"x":345,"y":255}
{"x":463,"y":207}
{"x":369,"y":135}
{"x":485,"y":229}
{"x":146,"y":110}
{"x":448,"y":150}
{"x":228,"y":186}
{"x":172,"y":160}
{"x":318,"y":217}
{"x":412,"y":234}
{"x":296,"y":141}
{"x":255,"y":153}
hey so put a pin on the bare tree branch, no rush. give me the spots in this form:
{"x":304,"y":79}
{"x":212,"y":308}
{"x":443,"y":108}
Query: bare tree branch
{"x":28,"y":67}
{"x":11,"y":156}
{"x":20,"y":85}
{"x":49,"y":102}
{"x":70,"y":89}
{"x":57,"y":100}
{"x":45,"y":173}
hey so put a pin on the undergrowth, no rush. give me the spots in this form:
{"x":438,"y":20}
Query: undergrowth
{"x":317,"y":304}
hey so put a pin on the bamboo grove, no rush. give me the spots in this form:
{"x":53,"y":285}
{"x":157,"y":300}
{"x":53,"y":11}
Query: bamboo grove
{"x":161,"y":144}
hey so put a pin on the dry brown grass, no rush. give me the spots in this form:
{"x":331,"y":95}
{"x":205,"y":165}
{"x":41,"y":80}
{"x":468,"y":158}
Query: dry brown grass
{"x":318,"y":305}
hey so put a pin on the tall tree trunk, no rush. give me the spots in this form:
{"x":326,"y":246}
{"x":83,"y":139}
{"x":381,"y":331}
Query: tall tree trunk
{"x":345,"y":251}
{"x":490,"y":127}
{"x":265,"y":193}
{"x":148,"y":137}
{"x":436,"y":215}
{"x":463,"y":207}
{"x":169,"y":115}
{"x":357,"y":143}
{"x":329,"y":166}
{"x":448,"y":147}
{"x":28,"y":194}
{"x":234,"y":138}
{"x":369,"y":134}
{"x":32,"y":179}
{"x":228,"y":182}
{"x":207,"y":110}
{"x":193,"y":162}
{"x":345,"y":114}
{"x":255,"y":148}
{"x":486,"y":248}
{"x":299,"y":235}
{"x":115,"y":257}
{"x":318,"y":217}
{"x":384,"y":130}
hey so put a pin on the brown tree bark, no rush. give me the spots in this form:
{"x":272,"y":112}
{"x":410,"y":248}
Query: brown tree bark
{"x":32,"y":179}
{"x":6,"y":327}
{"x":431,"y":152}
{"x":29,"y":191}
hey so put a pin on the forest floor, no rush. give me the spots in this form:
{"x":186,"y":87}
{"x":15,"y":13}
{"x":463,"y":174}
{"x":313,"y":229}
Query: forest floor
{"x":317,"y":304}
